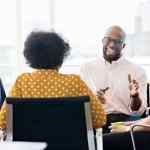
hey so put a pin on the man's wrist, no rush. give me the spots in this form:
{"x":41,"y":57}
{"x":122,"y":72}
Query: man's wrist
{"x":135,"y":95}
{"x":135,"y":103}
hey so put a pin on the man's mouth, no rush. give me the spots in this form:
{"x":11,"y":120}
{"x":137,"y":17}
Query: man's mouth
{"x":110,"y":51}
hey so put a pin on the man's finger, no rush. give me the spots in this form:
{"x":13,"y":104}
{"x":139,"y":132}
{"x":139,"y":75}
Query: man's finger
{"x":101,"y":93}
{"x":106,"y":89}
{"x":129,"y":78}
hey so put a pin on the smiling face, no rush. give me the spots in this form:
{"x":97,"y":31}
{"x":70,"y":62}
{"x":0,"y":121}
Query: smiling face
{"x":113,"y":43}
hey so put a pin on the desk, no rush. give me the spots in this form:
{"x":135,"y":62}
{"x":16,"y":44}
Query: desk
{"x":22,"y":145}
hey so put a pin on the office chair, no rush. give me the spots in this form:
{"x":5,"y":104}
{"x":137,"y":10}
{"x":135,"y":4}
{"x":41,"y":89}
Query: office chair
{"x":64,"y":122}
{"x":133,"y":136}
{"x":147,"y":111}
{"x":148,"y":100}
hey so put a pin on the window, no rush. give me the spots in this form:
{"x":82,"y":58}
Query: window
{"x":81,"y":22}
{"x":84,"y":22}
{"x":35,"y":15}
{"x":8,"y":53}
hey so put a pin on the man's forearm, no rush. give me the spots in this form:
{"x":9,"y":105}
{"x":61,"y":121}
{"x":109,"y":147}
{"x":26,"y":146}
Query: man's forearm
{"x":142,"y":122}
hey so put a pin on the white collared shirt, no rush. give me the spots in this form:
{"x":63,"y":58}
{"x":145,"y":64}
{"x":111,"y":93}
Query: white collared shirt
{"x":100,"y":74}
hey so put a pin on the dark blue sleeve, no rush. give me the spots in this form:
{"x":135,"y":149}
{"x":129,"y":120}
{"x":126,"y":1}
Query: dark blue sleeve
{"x":2,"y":93}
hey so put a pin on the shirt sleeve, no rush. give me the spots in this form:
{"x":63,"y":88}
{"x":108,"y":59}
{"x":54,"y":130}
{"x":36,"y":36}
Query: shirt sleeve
{"x":97,"y":111}
{"x":15,"y":92}
{"x":86,"y":77}
{"x":3,"y":113}
{"x":142,"y":79}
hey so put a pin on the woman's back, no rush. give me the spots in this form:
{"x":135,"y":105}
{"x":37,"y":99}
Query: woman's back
{"x":48,"y":83}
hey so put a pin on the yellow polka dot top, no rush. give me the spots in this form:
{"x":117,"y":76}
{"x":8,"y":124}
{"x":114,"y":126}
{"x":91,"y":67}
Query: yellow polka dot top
{"x":50,"y":83}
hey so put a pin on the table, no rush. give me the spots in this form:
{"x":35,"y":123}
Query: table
{"x":22,"y":145}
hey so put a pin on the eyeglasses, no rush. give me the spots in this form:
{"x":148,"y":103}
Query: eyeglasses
{"x":115,"y":41}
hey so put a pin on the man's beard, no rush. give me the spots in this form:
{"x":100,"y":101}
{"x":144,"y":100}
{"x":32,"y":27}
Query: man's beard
{"x":113,"y":56}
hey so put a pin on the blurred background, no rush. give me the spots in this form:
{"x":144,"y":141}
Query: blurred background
{"x":81,"y":22}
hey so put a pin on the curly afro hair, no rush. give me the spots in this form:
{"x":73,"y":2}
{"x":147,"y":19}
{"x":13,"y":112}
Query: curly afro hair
{"x":45,"y":50}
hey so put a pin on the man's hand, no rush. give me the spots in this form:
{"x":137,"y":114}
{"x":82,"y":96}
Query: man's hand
{"x":101,"y":95}
{"x":134,"y":93}
{"x":133,"y":86}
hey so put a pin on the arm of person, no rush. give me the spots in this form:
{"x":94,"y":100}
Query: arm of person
{"x":101,"y":95}
{"x":138,"y":93}
{"x":143,"y":122}
{"x":15,"y":91}
{"x":126,"y":126}
{"x":3,"y":113}
{"x":97,"y":111}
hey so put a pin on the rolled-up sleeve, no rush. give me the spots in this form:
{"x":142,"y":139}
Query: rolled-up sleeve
{"x":142,"y":80}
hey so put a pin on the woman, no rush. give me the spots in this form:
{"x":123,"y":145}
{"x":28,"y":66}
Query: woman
{"x":45,"y":52}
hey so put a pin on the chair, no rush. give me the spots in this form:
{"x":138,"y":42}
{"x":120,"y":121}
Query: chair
{"x":148,"y":94}
{"x":64,"y":122}
{"x":148,"y":100}
{"x":133,"y":136}
{"x":147,"y":111}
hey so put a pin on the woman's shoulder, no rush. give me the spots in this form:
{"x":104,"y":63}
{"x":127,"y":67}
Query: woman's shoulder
{"x":72,"y":77}
{"x":24,"y":76}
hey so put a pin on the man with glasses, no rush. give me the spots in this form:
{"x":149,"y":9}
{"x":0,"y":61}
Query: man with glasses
{"x":120,"y":83}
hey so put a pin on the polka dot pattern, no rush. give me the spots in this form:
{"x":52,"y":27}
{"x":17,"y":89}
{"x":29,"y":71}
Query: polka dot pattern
{"x":50,"y":83}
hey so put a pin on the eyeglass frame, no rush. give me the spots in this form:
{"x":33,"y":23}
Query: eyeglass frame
{"x":115,"y":41}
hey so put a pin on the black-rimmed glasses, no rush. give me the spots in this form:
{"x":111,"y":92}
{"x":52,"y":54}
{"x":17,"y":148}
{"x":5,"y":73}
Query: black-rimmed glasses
{"x":115,"y":41}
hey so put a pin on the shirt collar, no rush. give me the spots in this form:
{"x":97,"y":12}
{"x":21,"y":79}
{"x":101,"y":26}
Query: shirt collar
{"x":114,"y":63}
{"x":46,"y":71}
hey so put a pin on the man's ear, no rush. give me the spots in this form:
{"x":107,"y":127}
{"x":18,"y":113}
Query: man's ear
{"x":123,"y":45}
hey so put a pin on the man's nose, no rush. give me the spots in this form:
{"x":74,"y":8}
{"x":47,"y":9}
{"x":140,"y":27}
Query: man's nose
{"x":111,"y":44}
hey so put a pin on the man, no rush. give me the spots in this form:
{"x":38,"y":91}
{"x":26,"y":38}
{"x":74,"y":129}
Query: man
{"x":120,"y":83}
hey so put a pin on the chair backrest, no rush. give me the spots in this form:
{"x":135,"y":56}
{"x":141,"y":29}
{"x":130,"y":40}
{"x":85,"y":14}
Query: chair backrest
{"x":140,"y":140}
{"x":148,"y":95}
{"x":64,"y":123}
{"x":2,"y":93}
{"x":147,"y":111}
